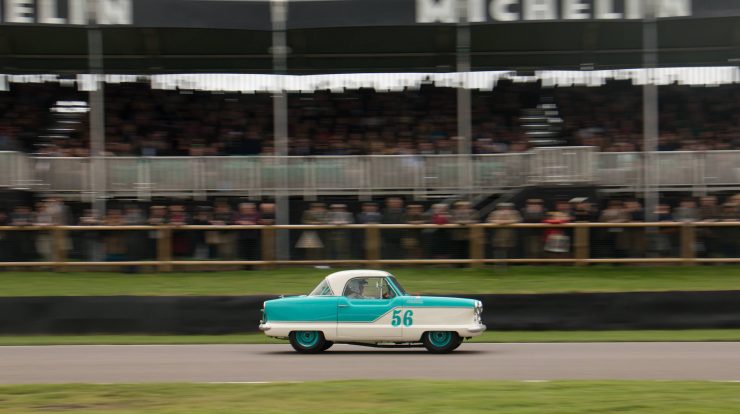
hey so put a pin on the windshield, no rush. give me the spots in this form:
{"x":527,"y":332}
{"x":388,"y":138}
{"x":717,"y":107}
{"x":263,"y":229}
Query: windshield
{"x":397,"y":285}
{"x":322,"y":289}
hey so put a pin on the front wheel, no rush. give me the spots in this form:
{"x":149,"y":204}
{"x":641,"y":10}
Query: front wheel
{"x":308,"y":342}
{"x":441,"y":342}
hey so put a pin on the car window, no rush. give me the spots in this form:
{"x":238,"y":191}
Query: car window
{"x":368,"y":288}
{"x":400,"y":288}
{"x":323,"y":289}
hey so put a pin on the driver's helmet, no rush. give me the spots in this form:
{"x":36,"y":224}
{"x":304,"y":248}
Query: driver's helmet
{"x":356,"y":285}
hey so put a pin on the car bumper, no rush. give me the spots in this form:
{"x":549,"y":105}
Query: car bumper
{"x":264,"y":327}
{"x":472,"y":330}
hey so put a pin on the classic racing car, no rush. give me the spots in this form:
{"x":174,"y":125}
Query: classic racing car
{"x":370,"y":307}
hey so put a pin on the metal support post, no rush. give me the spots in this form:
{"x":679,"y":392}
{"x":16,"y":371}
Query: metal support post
{"x":98,"y":191}
{"x":650,"y":132}
{"x":464,"y":117}
{"x":279,"y":15}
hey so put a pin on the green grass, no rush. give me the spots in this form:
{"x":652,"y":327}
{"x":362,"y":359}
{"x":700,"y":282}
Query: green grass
{"x":372,"y":397}
{"x":700,"y":335}
{"x":518,"y":279}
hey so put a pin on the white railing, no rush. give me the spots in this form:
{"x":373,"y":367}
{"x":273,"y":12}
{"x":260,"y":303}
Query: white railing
{"x":144,"y":177}
{"x":15,"y":170}
{"x":674,"y":169}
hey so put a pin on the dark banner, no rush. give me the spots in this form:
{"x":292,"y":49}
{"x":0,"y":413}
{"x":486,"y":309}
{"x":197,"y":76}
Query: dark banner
{"x":255,"y":15}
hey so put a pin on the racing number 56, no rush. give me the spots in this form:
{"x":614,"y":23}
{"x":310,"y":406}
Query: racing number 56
{"x":408,"y":318}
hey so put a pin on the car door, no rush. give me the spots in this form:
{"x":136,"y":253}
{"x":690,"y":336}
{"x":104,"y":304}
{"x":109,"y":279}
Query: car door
{"x":369,"y":316}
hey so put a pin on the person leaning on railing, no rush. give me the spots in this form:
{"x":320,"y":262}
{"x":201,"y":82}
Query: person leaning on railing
{"x":224,"y":240}
{"x":504,"y":240}
{"x":339,"y":238}
{"x":533,"y":212}
{"x":462,"y":214}
{"x":412,"y":239}
{"x":392,"y":239}
{"x":309,"y":241}
{"x":614,"y":239}
{"x":247,"y":215}
{"x":706,"y":237}
{"x":157,"y":217}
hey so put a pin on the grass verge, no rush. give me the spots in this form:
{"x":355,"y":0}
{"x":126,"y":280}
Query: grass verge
{"x":697,"y":335}
{"x":410,"y":397}
{"x":515,"y":279}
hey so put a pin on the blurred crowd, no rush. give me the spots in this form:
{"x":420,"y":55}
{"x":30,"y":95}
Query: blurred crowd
{"x":338,"y":243}
{"x":140,"y":121}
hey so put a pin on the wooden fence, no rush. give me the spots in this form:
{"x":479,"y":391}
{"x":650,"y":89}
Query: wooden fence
{"x":372,"y":244}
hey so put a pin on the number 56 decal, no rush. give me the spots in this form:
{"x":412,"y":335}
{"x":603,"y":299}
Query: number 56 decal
{"x":408,"y":318}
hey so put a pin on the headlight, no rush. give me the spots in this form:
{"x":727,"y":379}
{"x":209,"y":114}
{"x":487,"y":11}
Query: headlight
{"x":478,"y":312}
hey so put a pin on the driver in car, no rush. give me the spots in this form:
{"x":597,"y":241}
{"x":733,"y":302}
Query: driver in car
{"x":356,"y":289}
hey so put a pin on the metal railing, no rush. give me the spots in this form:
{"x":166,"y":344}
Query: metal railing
{"x":144,"y":177}
{"x":481,"y":244}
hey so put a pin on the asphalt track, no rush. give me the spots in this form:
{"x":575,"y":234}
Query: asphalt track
{"x":719,"y":361}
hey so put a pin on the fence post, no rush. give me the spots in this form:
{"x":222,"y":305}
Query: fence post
{"x":477,"y":245}
{"x":164,"y":249}
{"x":581,"y":245}
{"x":268,"y":245}
{"x":688,"y":241}
{"x":59,"y":246}
{"x":372,"y":245}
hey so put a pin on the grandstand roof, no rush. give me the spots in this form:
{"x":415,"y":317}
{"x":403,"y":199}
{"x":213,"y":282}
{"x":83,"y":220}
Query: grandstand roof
{"x":360,"y":36}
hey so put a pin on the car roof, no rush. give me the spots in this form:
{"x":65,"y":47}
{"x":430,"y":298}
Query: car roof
{"x":337,"y":280}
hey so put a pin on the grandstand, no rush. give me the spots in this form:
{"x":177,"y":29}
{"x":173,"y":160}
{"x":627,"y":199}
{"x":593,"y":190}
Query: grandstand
{"x":291,"y":102}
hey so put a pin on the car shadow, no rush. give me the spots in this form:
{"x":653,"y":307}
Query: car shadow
{"x":379,"y":352}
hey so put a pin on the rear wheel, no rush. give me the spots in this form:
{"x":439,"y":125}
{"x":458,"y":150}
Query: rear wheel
{"x":441,"y":342}
{"x":308,"y":342}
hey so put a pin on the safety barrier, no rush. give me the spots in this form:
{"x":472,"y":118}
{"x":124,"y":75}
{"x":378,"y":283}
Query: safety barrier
{"x":145,"y":177}
{"x":233,"y":314}
{"x":372,"y":245}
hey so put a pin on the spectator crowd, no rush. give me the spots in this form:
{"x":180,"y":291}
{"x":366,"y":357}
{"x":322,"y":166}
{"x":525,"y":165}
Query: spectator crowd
{"x":140,"y":121}
{"x":338,"y":242}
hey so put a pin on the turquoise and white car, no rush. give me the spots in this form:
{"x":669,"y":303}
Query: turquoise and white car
{"x":370,"y":307}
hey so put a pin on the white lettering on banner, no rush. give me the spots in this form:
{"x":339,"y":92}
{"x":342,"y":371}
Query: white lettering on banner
{"x":539,"y":10}
{"x":575,"y":10}
{"x":107,"y":12}
{"x":445,"y":11}
{"x":634,"y":9}
{"x":499,"y":10}
{"x":476,"y":11}
{"x":433,"y":11}
{"x":604,"y":9}
{"x":48,"y":13}
{"x":114,"y":12}
{"x":674,"y":8}
{"x":19,"y":11}
{"x":78,"y":13}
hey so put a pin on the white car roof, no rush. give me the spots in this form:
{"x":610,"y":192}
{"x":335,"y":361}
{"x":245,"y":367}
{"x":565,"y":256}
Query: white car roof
{"x":337,"y":280}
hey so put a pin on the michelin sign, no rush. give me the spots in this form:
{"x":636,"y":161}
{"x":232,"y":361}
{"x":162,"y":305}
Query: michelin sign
{"x":482,"y":11}
{"x":255,"y":14}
